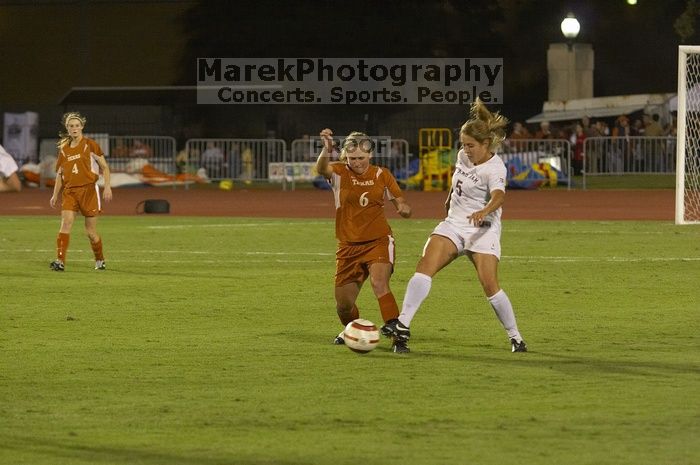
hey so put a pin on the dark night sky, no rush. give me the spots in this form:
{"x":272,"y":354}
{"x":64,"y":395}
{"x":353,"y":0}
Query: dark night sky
{"x":53,"y":45}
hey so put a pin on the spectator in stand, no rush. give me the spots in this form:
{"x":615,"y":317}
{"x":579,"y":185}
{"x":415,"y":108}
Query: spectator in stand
{"x":637,"y":127}
{"x":594,"y":155}
{"x":620,"y":159}
{"x":602,"y":128}
{"x":140,"y":150}
{"x":302,"y":150}
{"x":545,"y":131}
{"x":213,"y":161}
{"x":9,"y":180}
{"x":396,"y":151}
{"x":639,"y":147}
{"x":119,"y":150}
{"x":672,"y":129}
{"x":247,"y":165}
{"x":577,"y":140}
{"x":588,"y":129}
{"x":519,"y":132}
{"x":654,"y":129}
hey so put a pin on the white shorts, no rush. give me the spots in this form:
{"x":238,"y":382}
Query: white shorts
{"x":8,"y":165}
{"x":485,"y":240}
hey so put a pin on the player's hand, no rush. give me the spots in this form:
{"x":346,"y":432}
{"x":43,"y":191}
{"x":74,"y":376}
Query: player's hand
{"x":404,"y":210}
{"x":107,"y":194}
{"x":477,"y":218}
{"x":327,"y":138}
{"x":52,"y":202}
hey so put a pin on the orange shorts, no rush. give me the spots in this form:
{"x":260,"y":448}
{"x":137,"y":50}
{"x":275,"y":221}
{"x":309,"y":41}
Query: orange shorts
{"x":85,"y":199}
{"x":353,"y":259}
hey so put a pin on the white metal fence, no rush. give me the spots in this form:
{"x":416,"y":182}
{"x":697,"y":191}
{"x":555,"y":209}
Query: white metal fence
{"x":628,"y":155}
{"x":395,"y":156}
{"x":126,"y":153}
{"x":247,"y":160}
{"x":556,"y":152}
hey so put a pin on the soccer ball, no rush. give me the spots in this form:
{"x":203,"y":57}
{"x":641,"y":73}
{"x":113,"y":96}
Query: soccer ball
{"x":361,"y":336}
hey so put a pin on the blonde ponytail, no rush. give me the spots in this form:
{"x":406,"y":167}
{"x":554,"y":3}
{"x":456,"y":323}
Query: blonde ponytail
{"x":484,"y":125}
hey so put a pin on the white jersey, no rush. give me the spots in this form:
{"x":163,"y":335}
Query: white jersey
{"x":8,"y":165}
{"x":471,"y":191}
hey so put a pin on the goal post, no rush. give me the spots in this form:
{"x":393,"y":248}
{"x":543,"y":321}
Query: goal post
{"x":688,"y":136}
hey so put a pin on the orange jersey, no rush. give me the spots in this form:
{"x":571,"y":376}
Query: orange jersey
{"x":78,"y":165}
{"x":359,"y":202}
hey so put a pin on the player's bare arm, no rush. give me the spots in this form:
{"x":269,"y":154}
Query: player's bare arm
{"x":58,"y":185}
{"x":402,"y":207}
{"x":107,"y":194}
{"x":322,"y":163}
{"x":447,"y":202}
{"x":497,"y":199}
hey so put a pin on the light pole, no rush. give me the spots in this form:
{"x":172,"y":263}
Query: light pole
{"x":570,"y":65}
{"x":570,"y":27}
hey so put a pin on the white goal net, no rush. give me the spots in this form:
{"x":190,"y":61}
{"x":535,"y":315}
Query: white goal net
{"x":688,"y":146}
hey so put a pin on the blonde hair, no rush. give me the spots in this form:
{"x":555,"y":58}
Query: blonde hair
{"x":356,"y":136}
{"x":484,"y":125}
{"x":64,"y":137}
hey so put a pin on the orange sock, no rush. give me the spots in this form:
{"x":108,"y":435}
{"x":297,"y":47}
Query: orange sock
{"x":97,"y":249}
{"x":388,"y":307}
{"x":62,"y":246}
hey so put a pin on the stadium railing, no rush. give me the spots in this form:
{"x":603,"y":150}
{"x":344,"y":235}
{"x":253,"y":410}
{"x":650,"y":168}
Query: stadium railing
{"x":556,"y":152}
{"x":395,"y":156}
{"x":628,"y":155}
{"x":246,"y":160}
{"x":128,"y":154}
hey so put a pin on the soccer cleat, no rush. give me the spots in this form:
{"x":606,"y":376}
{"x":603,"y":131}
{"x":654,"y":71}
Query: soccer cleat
{"x":57,"y":265}
{"x":400,"y":346}
{"x":394,"y":328}
{"x":339,"y":339}
{"x":100,"y":265}
{"x":518,"y":346}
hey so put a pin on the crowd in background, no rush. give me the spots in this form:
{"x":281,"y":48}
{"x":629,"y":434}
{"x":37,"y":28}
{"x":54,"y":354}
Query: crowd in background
{"x":632,"y":143}
{"x":629,"y":153}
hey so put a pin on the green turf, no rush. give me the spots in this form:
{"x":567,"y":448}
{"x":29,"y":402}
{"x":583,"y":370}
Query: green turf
{"x":207,"y":341}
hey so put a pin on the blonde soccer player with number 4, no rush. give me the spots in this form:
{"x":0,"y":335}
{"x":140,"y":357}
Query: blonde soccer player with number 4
{"x":77,"y":171}
{"x":365,"y":240}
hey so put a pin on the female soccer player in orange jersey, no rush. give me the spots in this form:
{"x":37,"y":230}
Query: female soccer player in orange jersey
{"x":77,"y":172}
{"x":365,"y":241}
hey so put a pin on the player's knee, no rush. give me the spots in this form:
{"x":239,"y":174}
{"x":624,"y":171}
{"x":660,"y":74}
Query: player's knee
{"x":490,"y":288}
{"x":380,"y":287}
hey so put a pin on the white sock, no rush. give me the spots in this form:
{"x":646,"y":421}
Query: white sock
{"x":416,"y":292}
{"x":504,"y":311}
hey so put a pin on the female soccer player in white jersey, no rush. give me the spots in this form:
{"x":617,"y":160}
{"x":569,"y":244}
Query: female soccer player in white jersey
{"x":472,"y":226}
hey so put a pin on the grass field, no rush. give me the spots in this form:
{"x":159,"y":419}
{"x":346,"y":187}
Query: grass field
{"x":207,"y":341}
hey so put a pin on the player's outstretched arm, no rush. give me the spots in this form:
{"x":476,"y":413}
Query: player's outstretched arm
{"x":323,"y":162}
{"x":402,"y":207}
